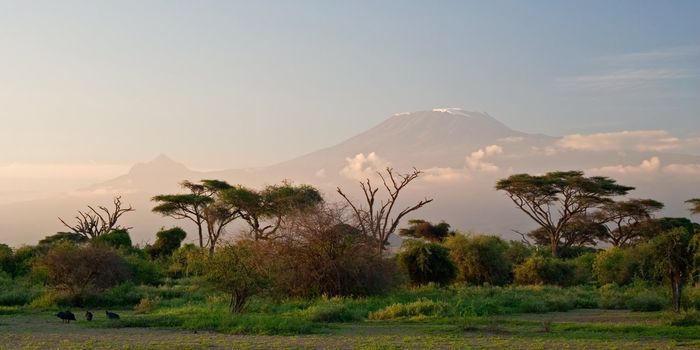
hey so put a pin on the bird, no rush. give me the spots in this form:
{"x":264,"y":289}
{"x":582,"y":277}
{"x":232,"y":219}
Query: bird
{"x":66,"y":316}
{"x":112,"y":315}
{"x":88,"y":315}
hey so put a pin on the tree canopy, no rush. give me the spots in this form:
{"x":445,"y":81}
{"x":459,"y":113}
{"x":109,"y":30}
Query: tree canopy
{"x":554,"y":199}
{"x":423,"y":229}
{"x":265,"y":210}
{"x":695,"y":203}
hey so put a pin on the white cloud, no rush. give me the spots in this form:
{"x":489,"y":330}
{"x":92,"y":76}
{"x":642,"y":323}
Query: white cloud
{"x":321,"y":173}
{"x":625,"y":78}
{"x":444,"y":175}
{"x":650,"y":165}
{"x":640,"y":140}
{"x":361,"y":167}
{"x":511,"y":139}
{"x":476,"y":160}
{"x":683,"y":169}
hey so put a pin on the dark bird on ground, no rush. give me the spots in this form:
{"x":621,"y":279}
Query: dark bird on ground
{"x":66,"y":316}
{"x":112,"y":315}
{"x":88,"y":315}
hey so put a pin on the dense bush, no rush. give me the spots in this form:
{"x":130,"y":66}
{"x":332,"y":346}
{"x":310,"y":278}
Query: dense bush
{"x":319,"y":254}
{"x":540,"y":270}
{"x":426,"y":262}
{"x":480,"y":259}
{"x":241,"y":271}
{"x":167,"y":242}
{"x":78,"y":272}
{"x":116,"y":239}
{"x":623,"y":265}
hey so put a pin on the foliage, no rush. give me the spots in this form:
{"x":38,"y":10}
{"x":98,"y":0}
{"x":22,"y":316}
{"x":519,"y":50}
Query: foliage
{"x":695,"y":205}
{"x":265,"y":210}
{"x":426,"y":230}
{"x":626,"y":222}
{"x":418,"y":308}
{"x":676,"y":251}
{"x":167,"y":242}
{"x":118,"y":238}
{"x":426,"y":262}
{"x":540,"y":270}
{"x":239,"y":270}
{"x":480,"y":259}
{"x":61,"y":237}
{"x":319,"y":254}
{"x":554,"y":199}
{"x":81,"y":271}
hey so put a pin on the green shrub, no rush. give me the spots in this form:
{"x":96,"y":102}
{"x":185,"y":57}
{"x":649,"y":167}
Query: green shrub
{"x":426,"y":262}
{"x":480,"y":259}
{"x":687,"y":319}
{"x":539,"y":270}
{"x":167,"y":242}
{"x":330,"y":313}
{"x":612,"y":297}
{"x":116,"y":239}
{"x":646,"y":301}
{"x":146,"y":305}
{"x":143,"y":271}
{"x":419,"y":308}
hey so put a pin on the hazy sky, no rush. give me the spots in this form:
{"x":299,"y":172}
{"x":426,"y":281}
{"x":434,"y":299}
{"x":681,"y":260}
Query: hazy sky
{"x":231,"y":84}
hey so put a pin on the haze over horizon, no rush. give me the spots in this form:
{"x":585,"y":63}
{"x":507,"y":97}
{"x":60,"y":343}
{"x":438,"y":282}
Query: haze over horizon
{"x":90,"y":88}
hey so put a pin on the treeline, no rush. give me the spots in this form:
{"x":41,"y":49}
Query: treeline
{"x":298,"y":244}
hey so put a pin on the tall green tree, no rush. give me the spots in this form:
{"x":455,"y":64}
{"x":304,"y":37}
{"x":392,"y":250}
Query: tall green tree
{"x":627,"y":221}
{"x":552,"y":200}
{"x":695,"y":203}
{"x":676,"y":251}
{"x":264,"y":211}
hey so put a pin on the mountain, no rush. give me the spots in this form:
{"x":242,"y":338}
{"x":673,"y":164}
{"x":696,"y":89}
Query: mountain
{"x":462,"y":154}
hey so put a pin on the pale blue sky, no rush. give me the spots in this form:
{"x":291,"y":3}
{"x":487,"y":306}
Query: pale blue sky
{"x":229,"y":84}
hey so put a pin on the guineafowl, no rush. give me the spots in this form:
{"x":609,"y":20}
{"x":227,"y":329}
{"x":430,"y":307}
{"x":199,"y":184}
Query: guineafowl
{"x":88,"y":315}
{"x":112,"y":315}
{"x":66,"y":316}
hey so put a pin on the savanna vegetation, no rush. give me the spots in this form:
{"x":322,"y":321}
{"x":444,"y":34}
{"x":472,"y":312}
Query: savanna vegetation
{"x":298,"y":263}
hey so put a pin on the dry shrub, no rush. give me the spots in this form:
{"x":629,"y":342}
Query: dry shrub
{"x":320,"y":254}
{"x":77,"y":272}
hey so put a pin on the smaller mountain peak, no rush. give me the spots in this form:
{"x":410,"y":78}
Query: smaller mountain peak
{"x":160,"y":163}
{"x":161,"y":158}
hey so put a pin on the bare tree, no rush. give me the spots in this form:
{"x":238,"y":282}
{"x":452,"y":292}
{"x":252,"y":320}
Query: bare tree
{"x":376,"y":219}
{"x":95,"y":222}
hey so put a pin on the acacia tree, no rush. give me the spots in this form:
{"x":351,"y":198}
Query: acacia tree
{"x":580,"y":231}
{"x":376,"y":219}
{"x":264,"y":211}
{"x":188,"y":206}
{"x":626,"y":222}
{"x":695,"y":202}
{"x":554,"y":199}
{"x":95,"y":222}
{"x":201,"y":206}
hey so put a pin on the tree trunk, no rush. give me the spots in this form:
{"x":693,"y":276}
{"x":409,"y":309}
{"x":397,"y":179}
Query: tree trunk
{"x":201,"y":238}
{"x":676,"y":290}
{"x":554,"y":245}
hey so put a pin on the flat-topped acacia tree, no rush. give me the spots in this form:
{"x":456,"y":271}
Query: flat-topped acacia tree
{"x":554,"y":199}
{"x":626,"y":222}
{"x":265,"y":210}
{"x":201,"y":206}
